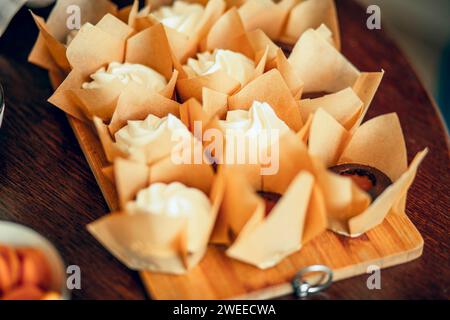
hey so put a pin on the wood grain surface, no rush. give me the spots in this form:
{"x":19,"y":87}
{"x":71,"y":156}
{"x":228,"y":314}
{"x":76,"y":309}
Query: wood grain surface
{"x":46,"y":183}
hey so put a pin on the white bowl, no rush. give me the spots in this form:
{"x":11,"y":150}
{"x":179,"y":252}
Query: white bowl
{"x":17,"y":235}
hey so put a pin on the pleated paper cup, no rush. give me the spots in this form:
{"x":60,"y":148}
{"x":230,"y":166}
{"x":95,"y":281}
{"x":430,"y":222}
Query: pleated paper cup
{"x":150,"y":242}
{"x":94,"y":47}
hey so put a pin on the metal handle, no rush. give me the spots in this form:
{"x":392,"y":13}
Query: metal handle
{"x":303,"y":288}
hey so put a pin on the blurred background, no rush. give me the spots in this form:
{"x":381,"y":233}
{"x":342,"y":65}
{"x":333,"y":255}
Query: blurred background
{"x":420,"y":27}
{"x":422,"y":30}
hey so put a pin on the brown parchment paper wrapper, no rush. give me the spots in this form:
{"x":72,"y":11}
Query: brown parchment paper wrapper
{"x":286,"y":20}
{"x":348,"y":106}
{"x":271,"y":88}
{"x":366,"y":87}
{"x":156,"y":242}
{"x":319,"y":64}
{"x":259,"y":42}
{"x":94,"y":47}
{"x":183,"y":46}
{"x":293,"y":158}
{"x":345,"y":106}
{"x":270,"y":17}
{"x":227,"y":33}
{"x":276,"y":59}
{"x":298,"y":216}
{"x":311,"y":14}
{"x":49,"y":51}
{"x":143,"y":103}
{"x":378,"y":143}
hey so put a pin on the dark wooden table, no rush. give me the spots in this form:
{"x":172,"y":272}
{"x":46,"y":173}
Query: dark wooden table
{"x":46,"y":183}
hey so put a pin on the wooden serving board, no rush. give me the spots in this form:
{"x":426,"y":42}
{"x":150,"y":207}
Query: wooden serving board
{"x":393,"y":242}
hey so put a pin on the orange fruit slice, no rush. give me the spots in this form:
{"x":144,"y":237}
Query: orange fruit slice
{"x":26,"y":292}
{"x":35,"y":268}
{"x":5,"y":276}
{"x":13,"y":262}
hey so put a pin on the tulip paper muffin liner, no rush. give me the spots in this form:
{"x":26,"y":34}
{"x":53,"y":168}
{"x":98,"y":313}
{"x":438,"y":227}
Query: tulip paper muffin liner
{"x":276,"y":59}
{"x":156,"y":242}
{"x":311,"y":14}
{"x":49,"y":51}
{"x":286,"y":20}
{"x":319,"y":64}
{"x":378,"y":143}
{"x":183,"y":46}
{"x":144,"y":103}
{"x":269,"y":87}
{"x":348,"y":106}
{"x":268,"y":16}
{"x":94,"y":47}
{"x":219,"y":38}
{"x":195,"y":112}
{"x":298,"y":216}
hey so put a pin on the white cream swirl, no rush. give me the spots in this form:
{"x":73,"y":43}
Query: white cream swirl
{"x":258,"y":119}
{"x":178,"y":201}
{"x":138,"y":133}
{"x":181,"y":16}
{"x":126,"y":73}
{"x":260,"y":128}
{"x":235,"y":64}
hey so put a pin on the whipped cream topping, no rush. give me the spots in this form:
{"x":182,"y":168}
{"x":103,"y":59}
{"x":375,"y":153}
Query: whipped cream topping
{"x":181,"y":16}
{"x":260,"y":128}
{"x":126,"y":73}
{"x":236,"y":65}
{"x":258,"y":119}
{"x":176,"y":200}
{"x":138,"y":133}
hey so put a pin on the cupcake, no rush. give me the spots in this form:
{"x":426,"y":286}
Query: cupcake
{"x":231,"y":58}
{"x":110,"y":59}
{"x":263,"y":236}
{"x":287,"y":20}
{"x":251,"y":135}
{"x":177,"y":201}
{"x":150,"y":132}
{"x":186,"y":22}
{"x":166,"y":218}
{"x":368,"y":174}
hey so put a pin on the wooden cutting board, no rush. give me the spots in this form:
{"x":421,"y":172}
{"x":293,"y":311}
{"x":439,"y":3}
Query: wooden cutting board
{"x":393,"y":242}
